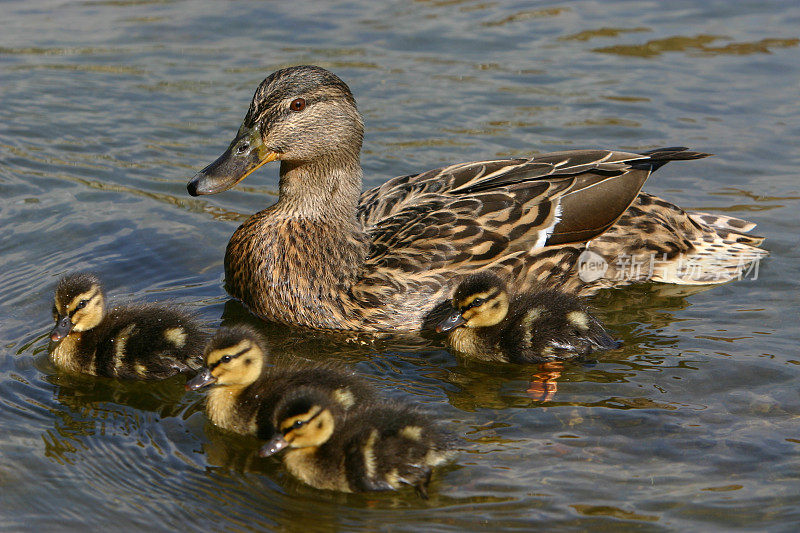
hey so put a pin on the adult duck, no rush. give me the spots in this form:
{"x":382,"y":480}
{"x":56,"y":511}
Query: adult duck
{"x":326,"y":255}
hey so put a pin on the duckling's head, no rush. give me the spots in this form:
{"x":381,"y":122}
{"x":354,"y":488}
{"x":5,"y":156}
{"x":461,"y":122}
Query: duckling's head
{"x":234,"y":357}
{"x":298,"y":115}
{"x":481,"y":300}
{"x":304,"y":418}
{"x":79,"y":304}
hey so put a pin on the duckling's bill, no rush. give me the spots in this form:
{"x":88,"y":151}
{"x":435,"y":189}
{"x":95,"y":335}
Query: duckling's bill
{"x":275,"y":445}
{"x":203,"y":379}
{"x":454,"y":320}
{"x":61,"y":329}
{"x":246,"y":154}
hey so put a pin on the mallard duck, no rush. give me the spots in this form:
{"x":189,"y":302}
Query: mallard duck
{"x":371,"y":447}
{"x":139,"y":341}
{"x":327,"y":255}
{"x":246,"y":388}
{"x":534,"y":327}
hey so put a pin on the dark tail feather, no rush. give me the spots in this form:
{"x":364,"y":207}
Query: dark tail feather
{"x":661,"y":156}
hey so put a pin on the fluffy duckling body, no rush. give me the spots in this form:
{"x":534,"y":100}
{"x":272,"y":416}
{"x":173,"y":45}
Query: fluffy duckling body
{"x":371,"y":447}
{"x":246,"y":389}
{"x":141,"y":341}
{"x":534,"y":327}
{"x":327,"y":255}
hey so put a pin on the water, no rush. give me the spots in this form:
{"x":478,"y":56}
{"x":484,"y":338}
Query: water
{"x":108,"y":107}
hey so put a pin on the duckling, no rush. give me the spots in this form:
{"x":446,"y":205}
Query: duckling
{"x":533,"y":327}
{"x":141,"y":341}
{"x":246,"y":389}
{"x":371,"y":447}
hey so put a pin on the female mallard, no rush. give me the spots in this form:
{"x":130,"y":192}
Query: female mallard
{"x":327,"y":255}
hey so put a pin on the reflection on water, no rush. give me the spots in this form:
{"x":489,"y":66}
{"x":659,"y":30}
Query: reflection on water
{"x":108,"y":107}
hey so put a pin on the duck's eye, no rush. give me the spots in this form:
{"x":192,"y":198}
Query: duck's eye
{"x":298,"y":104}
{"x":477,"y":302}
{"x":81,"y":304}
{"x":225,"y":359}
{"x":242,"y":148}
{"x":298,"y":424}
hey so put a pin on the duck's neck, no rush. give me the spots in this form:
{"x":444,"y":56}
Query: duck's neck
{"x":325,"y":190}
{"x":296,"y":261}
{"x":225,"y":410}
{"x":477,"y":343}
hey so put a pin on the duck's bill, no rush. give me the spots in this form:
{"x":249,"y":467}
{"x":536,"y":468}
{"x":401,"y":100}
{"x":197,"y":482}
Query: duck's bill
{"x":203,"y":379}
{"x":245,"y":154}
{"x":61,"y":329}
{"x":274,"y":446}
{"x":451,"y":322}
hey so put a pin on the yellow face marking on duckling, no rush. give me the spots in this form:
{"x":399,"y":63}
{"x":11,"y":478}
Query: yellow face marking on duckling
{"x":468,"y":300}
{"x":344,"y":397}
{"x":370,"y":464}
{"x":312,"y":428}
{"x":411,"y":433}
{"x":236,"y":366}
{"x":140,"y":369}
{"x":85,"y":310}
{"x":485,"y":308}
{"x":176,"y":336}
{"x":579,"y":319}
{"x":119,"y":345}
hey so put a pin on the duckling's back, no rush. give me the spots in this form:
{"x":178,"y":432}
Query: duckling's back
{"x":343,"y":387}
{"x":552,"y":325}
{"x":390,"y":445}
{"x":147,"y":341}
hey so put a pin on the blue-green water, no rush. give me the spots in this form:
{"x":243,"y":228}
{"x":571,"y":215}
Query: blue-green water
{"x":108,"y":107}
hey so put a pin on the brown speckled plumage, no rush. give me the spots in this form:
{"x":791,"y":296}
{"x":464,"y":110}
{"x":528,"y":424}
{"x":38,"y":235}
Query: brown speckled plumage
{"x":327,"y":256}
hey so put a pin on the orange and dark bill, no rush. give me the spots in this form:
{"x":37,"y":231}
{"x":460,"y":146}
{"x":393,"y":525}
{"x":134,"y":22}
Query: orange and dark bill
{"x":245,"y":154}
{"x":454,"y":320}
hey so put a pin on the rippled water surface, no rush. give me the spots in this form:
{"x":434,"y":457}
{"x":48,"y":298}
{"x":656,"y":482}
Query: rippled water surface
{"x":108,"y":107}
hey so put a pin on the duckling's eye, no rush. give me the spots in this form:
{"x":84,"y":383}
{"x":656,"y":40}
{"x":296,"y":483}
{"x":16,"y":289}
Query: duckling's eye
{"x":242,"y":148}
{"x":477,"y":301}
{"x":298,"y":104}
{"x":225,"y":359}
{"x":81,"y":304}
{"x":298,"y":424}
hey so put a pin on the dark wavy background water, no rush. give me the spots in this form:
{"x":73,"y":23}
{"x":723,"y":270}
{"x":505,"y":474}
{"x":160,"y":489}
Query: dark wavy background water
{"x":108,"y":107}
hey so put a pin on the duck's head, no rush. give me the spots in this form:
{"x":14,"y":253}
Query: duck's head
{"x":304,"y":418}
{"x":234,"y":357}
{"x":298,"y":115}
{"x":79,"y":304}
{"x":481,"y":300}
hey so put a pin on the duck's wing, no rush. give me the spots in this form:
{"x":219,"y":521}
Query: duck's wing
{"x":474,"y":214}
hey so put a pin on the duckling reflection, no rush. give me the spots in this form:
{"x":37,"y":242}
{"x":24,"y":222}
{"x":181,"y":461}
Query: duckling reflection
{"x":245,"y":389}
{"x":369,"y":448}
{"x":142,"y":341}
